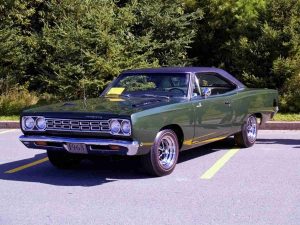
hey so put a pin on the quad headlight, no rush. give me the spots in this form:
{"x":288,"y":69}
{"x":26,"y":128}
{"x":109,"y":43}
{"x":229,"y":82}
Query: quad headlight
{"x":115,"y":126}
{"x":40,"y":123}
{"x":33,"y":123}
{"x":126,"y":127}
{"x":28,"y":123}
{"x":120,"y":127}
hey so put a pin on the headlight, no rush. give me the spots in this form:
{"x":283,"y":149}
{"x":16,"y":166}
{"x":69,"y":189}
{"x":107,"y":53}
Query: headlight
{"x":28,"y":123}
{"x":126,"y":127}
{"x":40,"y":123}
{"x":115,"y":126}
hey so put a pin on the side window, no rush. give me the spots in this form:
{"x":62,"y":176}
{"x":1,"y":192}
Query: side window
{"x":215,"y":83}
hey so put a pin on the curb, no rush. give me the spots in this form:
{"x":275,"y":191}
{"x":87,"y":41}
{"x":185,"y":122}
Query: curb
{"x":271,"y":125}
{"x":281,"y":125}
{"x":9,"y":125}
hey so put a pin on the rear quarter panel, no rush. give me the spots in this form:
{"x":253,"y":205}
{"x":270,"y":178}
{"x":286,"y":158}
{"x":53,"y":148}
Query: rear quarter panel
{"x":253,"y":101}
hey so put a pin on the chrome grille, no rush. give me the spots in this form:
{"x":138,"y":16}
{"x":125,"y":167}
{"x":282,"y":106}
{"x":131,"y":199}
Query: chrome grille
{"x":77,"y":125}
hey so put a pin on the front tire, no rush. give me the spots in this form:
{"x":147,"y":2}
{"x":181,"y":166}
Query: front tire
{"x":164,"y":153}
{"x":63,"y":160}
{"x":247,"y":136}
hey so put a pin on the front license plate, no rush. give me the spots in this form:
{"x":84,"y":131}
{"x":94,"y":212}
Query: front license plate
{"x":77,"y":148}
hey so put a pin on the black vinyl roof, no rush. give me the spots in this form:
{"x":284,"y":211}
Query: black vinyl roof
{"x":185,"y":70}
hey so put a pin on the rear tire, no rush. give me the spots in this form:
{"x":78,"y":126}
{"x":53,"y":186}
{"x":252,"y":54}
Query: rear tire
{"x":63,"y":160}
{"x":247,"y":136}
{"x":164,"y":153}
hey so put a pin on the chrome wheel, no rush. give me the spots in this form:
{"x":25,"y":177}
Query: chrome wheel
{"x":163,"y":155}
{"x":167,"y":152}
{"x":251,"y":129}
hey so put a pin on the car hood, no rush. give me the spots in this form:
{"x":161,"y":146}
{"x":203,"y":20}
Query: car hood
{"x":103,"y":105}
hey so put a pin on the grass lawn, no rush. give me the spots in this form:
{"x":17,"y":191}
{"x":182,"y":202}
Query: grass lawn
{"x":9,"y":118}
{"x":278,"y":117}
{"x":287,"y":117}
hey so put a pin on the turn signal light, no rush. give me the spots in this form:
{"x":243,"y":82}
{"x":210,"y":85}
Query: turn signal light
{"x":114,"y":147}
{"x":40,"y":143}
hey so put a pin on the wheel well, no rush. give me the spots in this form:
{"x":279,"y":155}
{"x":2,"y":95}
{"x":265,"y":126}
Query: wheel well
{"x":178,"y":131}
{"x":260,"y":117}
{"x":275,"y":103}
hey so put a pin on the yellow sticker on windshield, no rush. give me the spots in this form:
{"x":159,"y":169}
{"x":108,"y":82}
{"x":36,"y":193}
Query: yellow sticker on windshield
{"x":115,"y":91}
{"x":116,"y":100}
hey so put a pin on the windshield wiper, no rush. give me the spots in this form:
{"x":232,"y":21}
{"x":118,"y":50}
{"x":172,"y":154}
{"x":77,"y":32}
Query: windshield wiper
{"x":155,"y":96}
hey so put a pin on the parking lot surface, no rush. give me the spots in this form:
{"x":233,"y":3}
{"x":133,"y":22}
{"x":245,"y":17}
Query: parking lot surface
{"x":214,"y":184}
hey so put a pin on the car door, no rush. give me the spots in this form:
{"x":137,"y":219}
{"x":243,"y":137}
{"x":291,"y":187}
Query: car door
{"x":213,"y":113}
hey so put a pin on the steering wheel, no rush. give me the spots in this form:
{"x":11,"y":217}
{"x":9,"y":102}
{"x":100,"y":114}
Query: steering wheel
{"x":177,"y":89}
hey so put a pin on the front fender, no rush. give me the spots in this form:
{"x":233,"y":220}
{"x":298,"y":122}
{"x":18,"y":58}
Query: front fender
{"x":146,"y":124}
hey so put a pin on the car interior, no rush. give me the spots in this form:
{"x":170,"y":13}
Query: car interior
{"x":213,"y":84}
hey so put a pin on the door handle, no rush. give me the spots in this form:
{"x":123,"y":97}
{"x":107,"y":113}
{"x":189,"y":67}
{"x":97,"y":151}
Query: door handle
{"x":199,"y":105}
{"x":227,"y":102}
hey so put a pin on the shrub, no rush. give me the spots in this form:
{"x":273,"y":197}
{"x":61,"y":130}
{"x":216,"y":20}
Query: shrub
{"x":16,"y":99}
{"x":290,"y":100}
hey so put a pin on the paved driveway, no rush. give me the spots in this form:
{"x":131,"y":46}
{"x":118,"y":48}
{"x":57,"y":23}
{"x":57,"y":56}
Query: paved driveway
{"x":214,"y":184}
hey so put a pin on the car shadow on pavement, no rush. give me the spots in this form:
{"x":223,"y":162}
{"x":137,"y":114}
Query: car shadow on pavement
{"x":98,"y":172}
{"x":295,"y":142}
{"x":224,"y":144}
{"x":87,"y":174}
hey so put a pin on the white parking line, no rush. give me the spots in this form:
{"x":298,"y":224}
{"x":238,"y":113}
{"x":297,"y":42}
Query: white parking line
{"x":8,"y":131}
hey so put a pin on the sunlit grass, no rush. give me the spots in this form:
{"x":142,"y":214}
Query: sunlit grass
{"x":9,"y":118}
{"x":287,"y":117}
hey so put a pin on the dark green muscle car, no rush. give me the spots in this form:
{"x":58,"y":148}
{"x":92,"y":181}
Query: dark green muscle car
{"x":151,"y":113}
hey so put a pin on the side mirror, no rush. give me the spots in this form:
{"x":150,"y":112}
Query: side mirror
{"x":206,"y":92}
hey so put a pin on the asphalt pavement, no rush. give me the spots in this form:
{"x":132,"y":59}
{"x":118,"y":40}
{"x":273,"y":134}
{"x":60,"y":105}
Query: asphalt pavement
{"x":214,"y":184}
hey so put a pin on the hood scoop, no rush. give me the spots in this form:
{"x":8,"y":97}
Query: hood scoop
{"x":148,"y":102}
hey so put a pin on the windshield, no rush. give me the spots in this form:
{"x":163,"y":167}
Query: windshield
{"x":151,"y":84}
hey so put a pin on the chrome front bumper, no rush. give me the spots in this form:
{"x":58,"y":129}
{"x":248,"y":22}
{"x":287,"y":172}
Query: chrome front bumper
{"x":30,"y":141}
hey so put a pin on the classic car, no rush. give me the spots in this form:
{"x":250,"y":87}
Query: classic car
{"x":151,"y":113}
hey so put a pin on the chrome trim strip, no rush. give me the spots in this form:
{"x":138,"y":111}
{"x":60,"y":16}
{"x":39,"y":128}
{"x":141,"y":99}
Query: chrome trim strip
{"x":132,"y":146}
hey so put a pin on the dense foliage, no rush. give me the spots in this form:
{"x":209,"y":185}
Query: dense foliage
{"x":61,"y":49}
{"x":257,"y":40}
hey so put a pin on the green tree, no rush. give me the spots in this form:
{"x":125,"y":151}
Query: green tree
{"x":256,"y":40}
{"x":59,"y":47}
{"x":17,"y":41}
{"x":227,"y":25}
